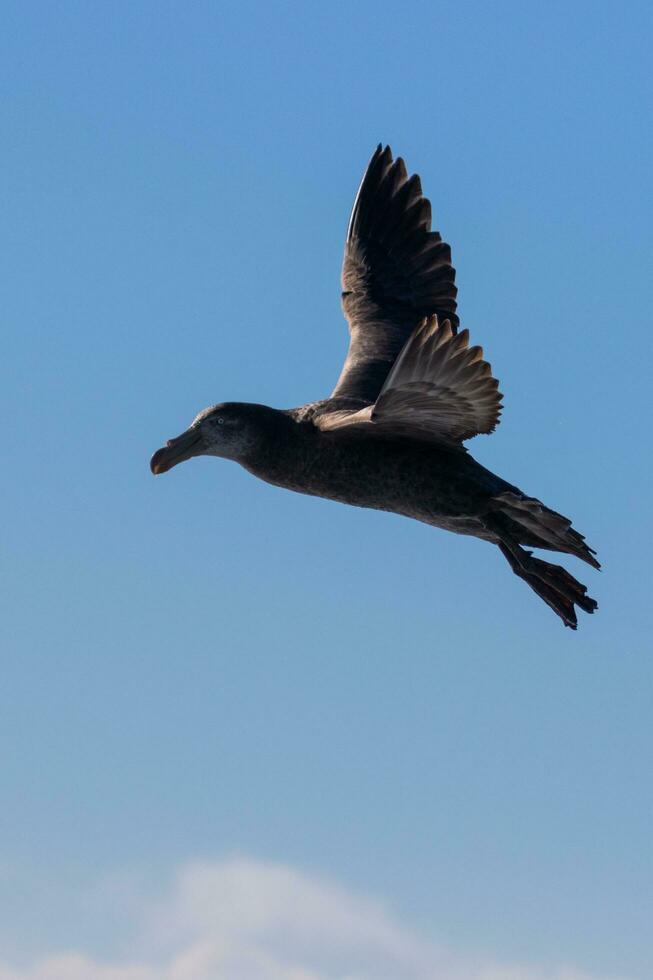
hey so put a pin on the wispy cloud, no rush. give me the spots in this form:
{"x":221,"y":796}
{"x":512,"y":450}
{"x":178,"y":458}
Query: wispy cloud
{"x":249,"y":920}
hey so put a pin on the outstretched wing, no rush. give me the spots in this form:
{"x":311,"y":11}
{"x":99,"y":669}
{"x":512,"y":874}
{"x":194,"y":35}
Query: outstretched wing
{"x":439,"y":389}
{"x":395,"y":272}
{"x":441,"y":386}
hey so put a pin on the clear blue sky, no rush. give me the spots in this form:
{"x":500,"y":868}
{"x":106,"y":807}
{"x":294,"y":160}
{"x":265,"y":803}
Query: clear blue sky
{"x":201,"y":665}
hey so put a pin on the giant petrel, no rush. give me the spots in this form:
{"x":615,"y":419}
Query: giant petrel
{"x":410,"y":393}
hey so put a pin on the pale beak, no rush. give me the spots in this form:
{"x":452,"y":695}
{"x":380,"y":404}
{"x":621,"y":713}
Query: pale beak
{"x":188,"y":444}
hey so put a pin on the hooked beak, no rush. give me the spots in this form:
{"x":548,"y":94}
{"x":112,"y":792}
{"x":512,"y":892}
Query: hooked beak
{"x":189,"y":443}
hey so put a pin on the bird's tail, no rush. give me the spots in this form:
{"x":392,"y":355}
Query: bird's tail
{"x":518,"y":520}
{"x":542,"y":527}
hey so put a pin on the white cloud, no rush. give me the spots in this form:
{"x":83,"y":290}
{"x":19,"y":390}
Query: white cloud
{"x":249,"y":920}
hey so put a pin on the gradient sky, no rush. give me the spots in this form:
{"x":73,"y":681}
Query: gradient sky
{"x":200,"y":665}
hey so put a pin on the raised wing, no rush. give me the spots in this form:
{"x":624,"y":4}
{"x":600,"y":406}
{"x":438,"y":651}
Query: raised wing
{"x":395,"y":272}
{"x":441,"y":385}
{"x":439,"y":389}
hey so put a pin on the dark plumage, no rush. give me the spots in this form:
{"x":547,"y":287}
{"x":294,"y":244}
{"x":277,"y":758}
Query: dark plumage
{"x":391,"y":435}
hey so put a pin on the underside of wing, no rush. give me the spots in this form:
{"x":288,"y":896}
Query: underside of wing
{"x":439,"y":389}
{"x":441,"y":385}
{"x":395,"y":272}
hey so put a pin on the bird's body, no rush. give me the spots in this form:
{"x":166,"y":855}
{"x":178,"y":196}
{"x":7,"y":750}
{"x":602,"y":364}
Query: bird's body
{"x":408,"y":477}
{"x":390,"y":437}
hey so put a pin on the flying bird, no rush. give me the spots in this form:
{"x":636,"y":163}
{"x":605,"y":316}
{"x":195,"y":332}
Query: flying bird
{"x":411,"y":391}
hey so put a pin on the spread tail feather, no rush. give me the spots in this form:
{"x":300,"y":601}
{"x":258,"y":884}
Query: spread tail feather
{"x":542,"y":527}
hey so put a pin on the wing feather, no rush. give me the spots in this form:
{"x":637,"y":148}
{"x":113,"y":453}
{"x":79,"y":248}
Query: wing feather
{"x":440,"y":385}
{"x":439,"y":389}
{"x":396,"y":271}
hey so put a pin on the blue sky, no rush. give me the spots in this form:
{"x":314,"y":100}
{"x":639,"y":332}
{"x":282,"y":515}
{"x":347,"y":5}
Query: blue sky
{"x":201,"y":666}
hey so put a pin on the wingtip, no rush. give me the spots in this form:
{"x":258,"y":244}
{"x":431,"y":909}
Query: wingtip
{"x":383,"y":150}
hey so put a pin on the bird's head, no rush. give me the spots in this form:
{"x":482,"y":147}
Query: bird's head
{"x":233,"y":430}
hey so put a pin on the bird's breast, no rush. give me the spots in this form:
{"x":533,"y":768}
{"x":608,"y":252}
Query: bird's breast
{"x":416,"y":480}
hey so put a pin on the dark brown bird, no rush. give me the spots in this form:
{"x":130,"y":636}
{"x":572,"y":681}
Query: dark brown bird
{"x":411,"y":391}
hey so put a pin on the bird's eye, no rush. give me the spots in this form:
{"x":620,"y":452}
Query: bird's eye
{"x":220,"y":421}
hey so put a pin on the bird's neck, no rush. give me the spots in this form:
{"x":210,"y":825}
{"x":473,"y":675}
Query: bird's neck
{"x":286,"y":451}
